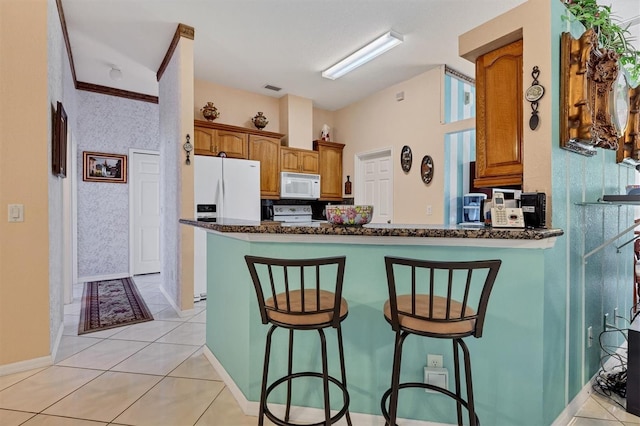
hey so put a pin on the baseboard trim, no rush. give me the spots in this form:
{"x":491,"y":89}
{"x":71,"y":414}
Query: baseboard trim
{"x":578,"y":401}
{"x":298,"y":414}
{"x":91,"y":278}
{"x":56,"y":343}
{"x":179,"y":312}
{"x":30,"y":364}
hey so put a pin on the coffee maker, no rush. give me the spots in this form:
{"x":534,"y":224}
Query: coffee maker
{"x":472,"y":208}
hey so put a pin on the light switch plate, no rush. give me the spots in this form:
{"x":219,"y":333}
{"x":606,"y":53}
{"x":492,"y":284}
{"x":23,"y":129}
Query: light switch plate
{"x":16,"y":213}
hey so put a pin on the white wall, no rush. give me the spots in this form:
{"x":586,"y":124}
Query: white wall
{"x":111,"y":125}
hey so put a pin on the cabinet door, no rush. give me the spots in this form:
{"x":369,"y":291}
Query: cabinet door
{"x":203,"y":141}
{"x":267,"y":151}
{"x":234,"y":144}
{"x":499,"y":117}
{"x":289,"y":160}
{"x":330,"y":166}
{"x":308,"y":162}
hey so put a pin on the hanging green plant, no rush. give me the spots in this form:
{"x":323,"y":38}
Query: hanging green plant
{"x":611,"y":34}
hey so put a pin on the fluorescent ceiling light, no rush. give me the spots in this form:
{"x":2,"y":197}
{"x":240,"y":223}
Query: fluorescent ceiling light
{"x":364,"y":55}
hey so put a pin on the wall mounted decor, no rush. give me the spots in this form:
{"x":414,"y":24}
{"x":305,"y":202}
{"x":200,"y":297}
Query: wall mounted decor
{"x":533,"y":95}
{"x":101,"y":167}
{"x":188,"y":147}
{"x":406,"y":158}
{"x":426,"y":169}
{"x":59,"y":143}
{"x":209,"y":111}
{"x":629,"y":143}
{"x":588,"y":74}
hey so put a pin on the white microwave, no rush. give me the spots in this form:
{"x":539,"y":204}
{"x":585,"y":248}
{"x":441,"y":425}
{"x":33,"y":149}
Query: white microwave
{"x":302,"y":186}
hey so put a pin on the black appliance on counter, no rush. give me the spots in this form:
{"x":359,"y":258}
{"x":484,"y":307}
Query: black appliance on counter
{"x":534,"y":209}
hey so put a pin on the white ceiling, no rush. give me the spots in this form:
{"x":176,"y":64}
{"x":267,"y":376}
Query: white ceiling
{"x":247,"y":44}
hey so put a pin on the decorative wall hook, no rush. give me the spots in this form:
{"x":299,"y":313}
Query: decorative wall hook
{"x":533,"y":95}
{"x":188,"y":147}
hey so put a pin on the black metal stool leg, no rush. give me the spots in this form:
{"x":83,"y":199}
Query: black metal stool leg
{"x":289,"y":371}
{"x":456,"y":363}
{"x":467,"y":370}
{"x":265,"y":373}
{"x":395,"y":378}
{"x":342,"y":368}
{"x":325,"y":377}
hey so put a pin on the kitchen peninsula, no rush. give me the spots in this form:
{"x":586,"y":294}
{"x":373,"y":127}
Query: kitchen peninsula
{"x":507,"y":362}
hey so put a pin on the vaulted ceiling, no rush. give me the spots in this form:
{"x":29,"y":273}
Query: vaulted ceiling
{"x":247,"y":44}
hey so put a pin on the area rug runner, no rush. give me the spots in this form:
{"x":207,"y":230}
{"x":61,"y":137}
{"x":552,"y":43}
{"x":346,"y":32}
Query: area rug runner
{"x":111,"y":303}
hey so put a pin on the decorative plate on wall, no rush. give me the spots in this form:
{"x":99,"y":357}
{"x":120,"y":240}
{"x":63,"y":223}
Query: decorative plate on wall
{"x":426,"y":169}
{"x":406,"y":158}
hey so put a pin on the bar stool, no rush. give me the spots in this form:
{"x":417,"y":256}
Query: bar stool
{"x":301,"y":294}
{"x":444,"y":300}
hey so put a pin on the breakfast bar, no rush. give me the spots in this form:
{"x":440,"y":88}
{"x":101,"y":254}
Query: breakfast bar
{"x":507,"y":361}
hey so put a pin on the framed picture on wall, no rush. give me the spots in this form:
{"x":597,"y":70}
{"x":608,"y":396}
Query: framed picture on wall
{"x":59,"y":145}
{"x":101,"y":167}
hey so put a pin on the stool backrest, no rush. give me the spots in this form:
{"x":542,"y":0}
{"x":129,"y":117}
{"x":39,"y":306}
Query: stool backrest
{"x":278,"y":282}
{"x":459,"y":291}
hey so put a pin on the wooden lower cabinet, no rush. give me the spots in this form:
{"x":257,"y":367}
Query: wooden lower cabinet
{"x":330,"y":169}
{"x":298,"y":160}
{"x":499,"y":117}
{"x":267,"y":151}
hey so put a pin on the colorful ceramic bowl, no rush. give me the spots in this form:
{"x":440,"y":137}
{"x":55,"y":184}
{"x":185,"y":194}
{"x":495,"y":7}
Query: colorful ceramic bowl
{"x":349,"y":215}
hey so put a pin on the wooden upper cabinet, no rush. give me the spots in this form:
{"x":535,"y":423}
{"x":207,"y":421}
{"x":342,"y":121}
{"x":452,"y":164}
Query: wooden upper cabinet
{"x":213,"y":141}
{"x":239,"y":142}
{"x":298,"y":160}
{"x":499,"y":117}
{"x":330,"y":164}
{"x":267,"y":151}
{"x":203,"y":141}
{"x":234,"y":144}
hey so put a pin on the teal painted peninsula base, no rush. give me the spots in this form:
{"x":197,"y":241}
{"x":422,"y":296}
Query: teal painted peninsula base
{"x":508,"y":361}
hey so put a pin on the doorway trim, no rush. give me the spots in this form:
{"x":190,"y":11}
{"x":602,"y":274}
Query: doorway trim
{"x":133,"y":151}
{"x":70,"y":223}
{"x":359,"y":160}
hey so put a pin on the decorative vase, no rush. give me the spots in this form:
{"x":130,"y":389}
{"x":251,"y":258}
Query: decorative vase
{"x":347,"y":186}
{"x":210,"y":112}
{"x":260,"y":121}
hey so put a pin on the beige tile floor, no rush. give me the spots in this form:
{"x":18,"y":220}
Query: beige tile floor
{"x":155,"y":374}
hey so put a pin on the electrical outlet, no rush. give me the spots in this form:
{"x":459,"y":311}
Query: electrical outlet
{"x":434,"y":361}
{"x":589,"y":336}
{"x":429,"y":210}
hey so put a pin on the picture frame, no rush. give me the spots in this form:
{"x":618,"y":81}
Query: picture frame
{"x":103,"y":167}
{"x":59,"y":143}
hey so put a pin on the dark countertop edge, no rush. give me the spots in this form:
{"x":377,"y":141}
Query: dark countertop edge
{"x":486,"y":233}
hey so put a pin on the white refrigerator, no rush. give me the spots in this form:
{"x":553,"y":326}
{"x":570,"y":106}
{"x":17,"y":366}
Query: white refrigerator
{"x":234,"y":187}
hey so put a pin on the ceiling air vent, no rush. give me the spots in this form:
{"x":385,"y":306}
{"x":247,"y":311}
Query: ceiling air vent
{"x":274,"y":88}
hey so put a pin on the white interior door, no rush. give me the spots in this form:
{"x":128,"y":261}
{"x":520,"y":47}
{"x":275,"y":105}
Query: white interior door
{"x":145,"y":212}
{"x":374,"y":184}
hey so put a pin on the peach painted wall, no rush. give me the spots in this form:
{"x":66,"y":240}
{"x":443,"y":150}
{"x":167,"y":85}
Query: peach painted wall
{"x":380,"y":121}
{"x":236,"y":107}
{"x":299,"y":121}
{"x":24,"y":174}
{"x":524,"y":20}
{"x":186,"y":171}
{"x":321,"y":117}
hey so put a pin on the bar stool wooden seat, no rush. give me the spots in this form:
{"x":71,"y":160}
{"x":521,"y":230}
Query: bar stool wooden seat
{"x":301,"y":294}
{"x":443,"y":300}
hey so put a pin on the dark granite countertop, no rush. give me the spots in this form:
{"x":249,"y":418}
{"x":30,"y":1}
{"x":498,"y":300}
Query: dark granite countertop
{"x":375,"y":230}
